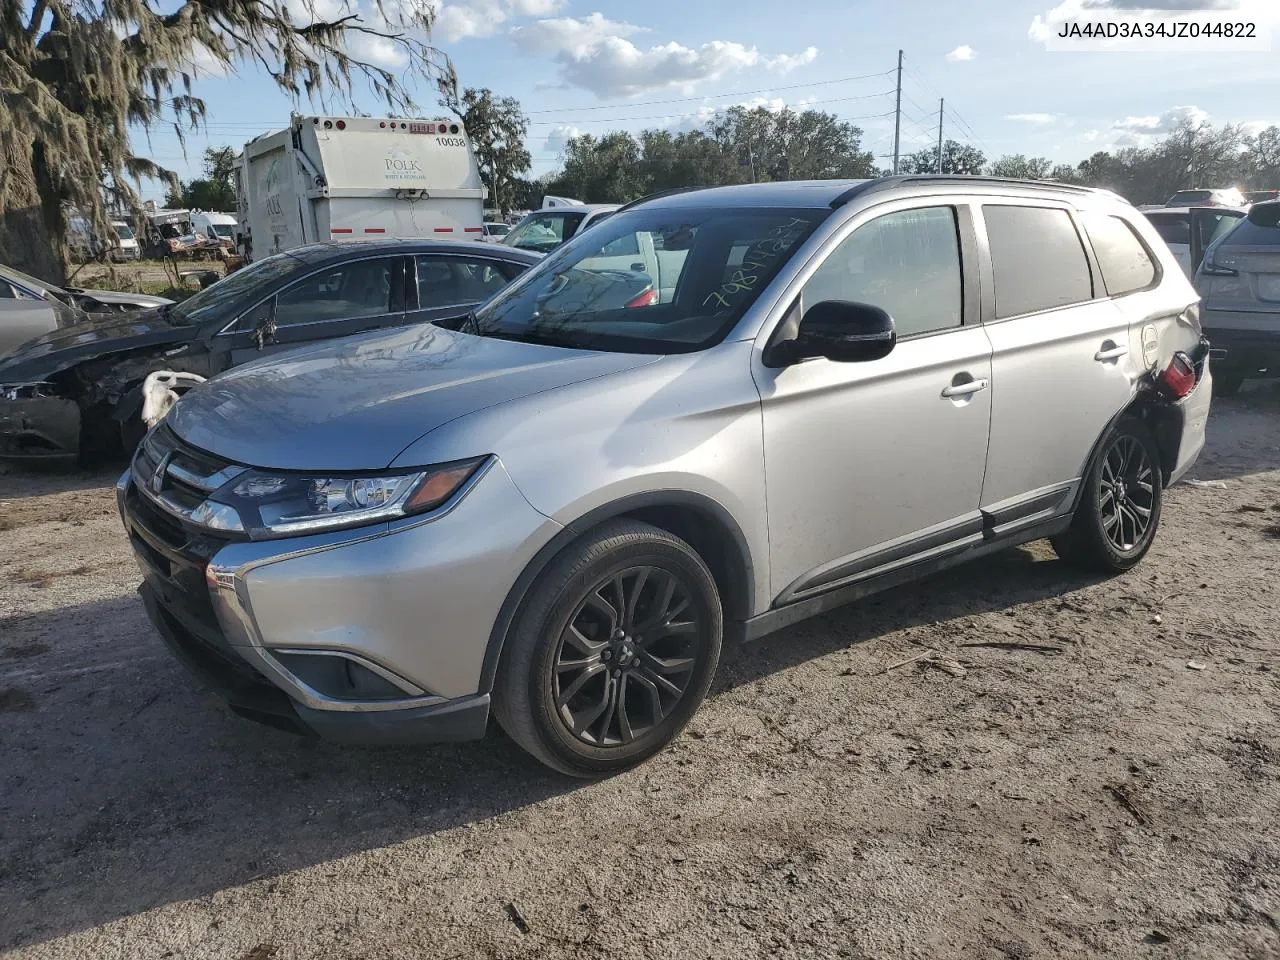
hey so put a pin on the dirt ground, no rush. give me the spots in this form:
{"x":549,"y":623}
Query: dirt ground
{"x":1099,"y":778}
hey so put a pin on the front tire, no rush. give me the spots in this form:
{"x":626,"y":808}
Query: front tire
{"x":1119,"y":510}
{"x":613,"y":651}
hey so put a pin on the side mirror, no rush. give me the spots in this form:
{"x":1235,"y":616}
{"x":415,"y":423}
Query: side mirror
{"x":1265,"y":214}
{"x":842,"y":331}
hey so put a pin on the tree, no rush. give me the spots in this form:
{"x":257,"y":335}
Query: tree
{"x":76,"y":79}
{"x":215,"y":190}
{"x":957,"y":158}
{"x":691,"y":159}
{"x":604,"y":170}
{"x":786,"y":145}
{"x":1262,"y":159}
{"x":497,"y":128}
{"x":1021,"y":168}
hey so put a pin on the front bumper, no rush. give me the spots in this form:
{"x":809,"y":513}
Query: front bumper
{"x":39,"y":428}
{"x":408,"y":605}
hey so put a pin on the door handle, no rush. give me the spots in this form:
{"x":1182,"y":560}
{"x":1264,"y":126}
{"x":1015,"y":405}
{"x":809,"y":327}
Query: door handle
{"x":1110,"y":353}
{"x":964,"y":389}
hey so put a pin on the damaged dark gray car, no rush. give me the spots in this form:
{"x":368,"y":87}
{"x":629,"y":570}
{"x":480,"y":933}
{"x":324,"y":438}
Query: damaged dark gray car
{"x":77,"y":391}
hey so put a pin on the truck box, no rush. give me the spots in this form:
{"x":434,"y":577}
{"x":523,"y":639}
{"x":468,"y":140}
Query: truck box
{"x":358,"y":178}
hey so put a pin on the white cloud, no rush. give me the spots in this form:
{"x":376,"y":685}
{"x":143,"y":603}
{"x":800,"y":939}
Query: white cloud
{"x":1164,"y":123}
{"x":1036,"y":119}
{"x":204,"y":65}
{"x":596,"y":54}
{"x":962,"y":52}
{"x":459,"y":19}
{"x":1091,"y":135}
{"x":559,"y":137}
{"x":1255,"y":127}
{"x":571,"y":36}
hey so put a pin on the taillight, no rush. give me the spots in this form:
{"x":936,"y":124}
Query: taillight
{"x":341,"y":124}
{"x":646,"y":299}
{"x":1179,"y":378}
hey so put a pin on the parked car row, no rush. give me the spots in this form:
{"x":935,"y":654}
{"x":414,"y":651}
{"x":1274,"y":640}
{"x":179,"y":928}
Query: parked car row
{"x":77,"y":389}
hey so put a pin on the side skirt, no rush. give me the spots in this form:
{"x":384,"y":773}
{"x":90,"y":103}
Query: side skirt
{"x":784,"y":616}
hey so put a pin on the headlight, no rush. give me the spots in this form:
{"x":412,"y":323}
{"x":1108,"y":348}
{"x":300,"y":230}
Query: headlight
{"x":274,"y":504}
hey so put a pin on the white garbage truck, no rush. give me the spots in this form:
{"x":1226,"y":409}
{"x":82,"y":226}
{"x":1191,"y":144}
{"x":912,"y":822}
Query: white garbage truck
{"x":357,"y":178}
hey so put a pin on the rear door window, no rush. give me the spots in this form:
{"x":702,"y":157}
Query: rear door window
{"x":454,"y":281}
{"x":1038,"y":259}
{"x":1124,"y":261}
{"x":906,"y":263}
{"x":361,"y":288}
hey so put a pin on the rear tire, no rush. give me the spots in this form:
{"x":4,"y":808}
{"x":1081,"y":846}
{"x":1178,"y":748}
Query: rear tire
{"x":1118,"y":514}
{"x":613,"y":651}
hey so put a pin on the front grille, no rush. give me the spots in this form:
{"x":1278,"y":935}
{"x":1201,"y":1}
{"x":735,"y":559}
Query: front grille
{"x":175,"y":552}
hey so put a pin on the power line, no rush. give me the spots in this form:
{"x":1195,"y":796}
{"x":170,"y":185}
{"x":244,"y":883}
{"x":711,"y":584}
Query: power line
{"x":739,"y":93}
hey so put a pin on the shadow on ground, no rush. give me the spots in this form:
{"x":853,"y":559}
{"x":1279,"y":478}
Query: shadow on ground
{"x":125,"y":787}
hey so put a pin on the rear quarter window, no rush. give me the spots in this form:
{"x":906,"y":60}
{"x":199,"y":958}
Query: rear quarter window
{"x":1123,"y":259}
{"x":1249,"y":234}
{"x":1038,"y":259}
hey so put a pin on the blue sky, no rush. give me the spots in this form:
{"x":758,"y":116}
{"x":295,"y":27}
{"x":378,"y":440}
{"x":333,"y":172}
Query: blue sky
{"x":599,"y":65}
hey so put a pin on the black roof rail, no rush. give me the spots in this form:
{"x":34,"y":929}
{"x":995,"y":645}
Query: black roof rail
{"x":954,"y":179}
{"x":654,"y":196}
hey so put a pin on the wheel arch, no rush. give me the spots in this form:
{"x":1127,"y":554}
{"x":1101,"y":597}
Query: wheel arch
{"x":703,"y":523}
{"x":1162,"y":419}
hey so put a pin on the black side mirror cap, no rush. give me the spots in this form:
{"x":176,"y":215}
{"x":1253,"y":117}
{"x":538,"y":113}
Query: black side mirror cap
{"x":839,"y":330}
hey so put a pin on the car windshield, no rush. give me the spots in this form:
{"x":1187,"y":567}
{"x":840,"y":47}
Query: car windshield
{"x":124,"y":232}
{"x":497,"y":229}
{"x":223,"y":230}
{"x":222,"y":300}
{"x":1188,"y":198}
{"x":650,"y":280}
{"x":543,"y":232}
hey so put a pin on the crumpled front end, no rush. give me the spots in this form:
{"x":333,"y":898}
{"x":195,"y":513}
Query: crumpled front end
{"x":37,"y":424}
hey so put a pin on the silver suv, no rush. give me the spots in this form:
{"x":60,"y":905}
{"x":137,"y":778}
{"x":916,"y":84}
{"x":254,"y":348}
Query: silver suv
{"x":715,"y":414}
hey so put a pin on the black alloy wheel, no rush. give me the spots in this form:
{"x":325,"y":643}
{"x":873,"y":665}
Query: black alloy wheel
{"x":1118,"y":511}
{"x":1126,"y":493}
{"x":614,"y":648}
{"x":627,"y":656}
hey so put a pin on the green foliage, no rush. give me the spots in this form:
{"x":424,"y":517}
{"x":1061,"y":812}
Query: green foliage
{"x":736,"y":146}
{"x":497,"y":128}
{"x":1022,"y":168}
{"x":215,"y":190}
{"x":957,"y":158}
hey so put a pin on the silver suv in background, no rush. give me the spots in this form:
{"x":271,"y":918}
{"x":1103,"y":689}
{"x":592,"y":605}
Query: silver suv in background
{"x":557,"y":507}
{"x":1240,"y":282}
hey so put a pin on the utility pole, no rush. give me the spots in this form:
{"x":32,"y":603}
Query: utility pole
{"x":897,"y":117}
{"x":941,"y":104}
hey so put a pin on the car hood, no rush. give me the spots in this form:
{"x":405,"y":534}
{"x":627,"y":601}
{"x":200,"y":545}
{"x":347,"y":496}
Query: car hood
{"x":143,"y":300}
{"x":355,"y":404}
{"x":93,"y":337}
